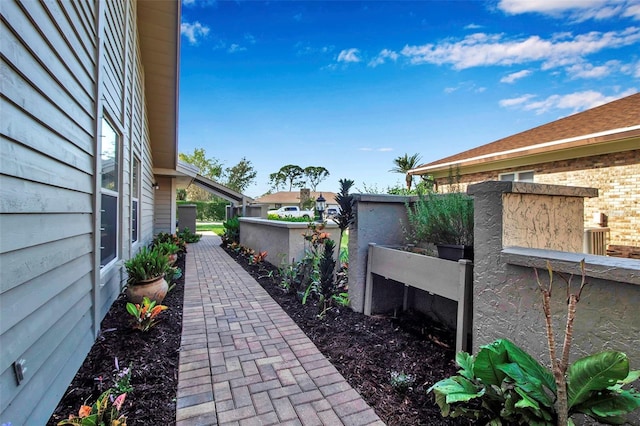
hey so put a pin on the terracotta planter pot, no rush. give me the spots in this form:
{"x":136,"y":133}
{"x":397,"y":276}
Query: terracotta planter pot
{"x":155,"y":289}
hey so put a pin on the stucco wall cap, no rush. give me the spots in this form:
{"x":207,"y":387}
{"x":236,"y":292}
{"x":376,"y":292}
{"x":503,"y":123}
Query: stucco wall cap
{"x":531,"y":188}
{"x":383,"y":198}
{"x":283,"y":224}
{"x":603,"y":267}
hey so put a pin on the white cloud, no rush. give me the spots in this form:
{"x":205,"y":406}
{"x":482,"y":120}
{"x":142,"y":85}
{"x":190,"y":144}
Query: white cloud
{"x":349,"y":55}
{"x":511,"y":78}
{"x":385,"y":149}
{"x":249,"y":38}
{"x":382,"y":57}
{"x":472,"y":27}
{"x":304,"y":48}
{"x":576,"y":102}
{"x":587,"y":70}
{"x":366,"y":149}
{"x":575,"y":10}
{"x":633,"y":11}
{"x":200,"y":3}
{"x":194,"y":32}
{"x":494,"y":49}
{"x":515,"y":101}
{"x":235,"y":48}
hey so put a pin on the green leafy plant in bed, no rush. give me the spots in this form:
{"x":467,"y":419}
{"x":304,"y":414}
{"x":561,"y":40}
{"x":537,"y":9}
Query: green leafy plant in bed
{"x":503,"y":383}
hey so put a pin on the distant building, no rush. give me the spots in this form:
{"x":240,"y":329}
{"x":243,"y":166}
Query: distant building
{"x":295,"y":198}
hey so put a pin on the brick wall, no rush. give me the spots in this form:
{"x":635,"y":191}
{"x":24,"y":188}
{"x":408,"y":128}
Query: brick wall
{"x":617,"y":177}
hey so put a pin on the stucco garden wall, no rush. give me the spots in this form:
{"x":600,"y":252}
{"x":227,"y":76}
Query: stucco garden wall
{"x":507,"y":302}
{"x":283,"y":241}
{"x":379,"y":220}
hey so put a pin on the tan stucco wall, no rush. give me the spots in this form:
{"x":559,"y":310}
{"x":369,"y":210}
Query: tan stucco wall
{"x":616,"y":176}
{"x":542,"y":221}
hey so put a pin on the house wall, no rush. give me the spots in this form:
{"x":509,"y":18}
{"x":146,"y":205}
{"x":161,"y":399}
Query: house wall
{"x":616,"y":176}
{"x":65,"y":65}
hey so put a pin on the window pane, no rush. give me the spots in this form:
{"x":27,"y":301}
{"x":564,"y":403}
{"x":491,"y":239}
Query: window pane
{"x":525,"y":177}
{"x":509,"y":176}
{"x":108,"y":229}
{"x":135,"y":177}
{"x":134,"y":220}
{"x":109,"y":157}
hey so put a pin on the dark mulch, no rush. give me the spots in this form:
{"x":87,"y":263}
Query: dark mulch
{"x":153,"y":357}
{"x":364,"y":349}
{"x":367,"y":349}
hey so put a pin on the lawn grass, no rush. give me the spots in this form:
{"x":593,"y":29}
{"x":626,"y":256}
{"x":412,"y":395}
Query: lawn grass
{"x":215,"y":227}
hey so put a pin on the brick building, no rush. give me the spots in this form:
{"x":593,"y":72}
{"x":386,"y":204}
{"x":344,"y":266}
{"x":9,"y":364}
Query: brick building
{"x":598,"y":148}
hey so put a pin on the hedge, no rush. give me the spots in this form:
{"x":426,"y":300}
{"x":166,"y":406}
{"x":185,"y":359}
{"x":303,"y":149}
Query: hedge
{"x":208,"y":211}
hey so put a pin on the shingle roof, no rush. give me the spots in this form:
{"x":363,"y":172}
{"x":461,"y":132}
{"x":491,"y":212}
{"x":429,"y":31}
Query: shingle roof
{"x":293,"y":197}
{"x":619,"y":114}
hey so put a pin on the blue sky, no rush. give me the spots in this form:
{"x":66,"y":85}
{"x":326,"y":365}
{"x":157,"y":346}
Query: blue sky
{"x":351,"y":85}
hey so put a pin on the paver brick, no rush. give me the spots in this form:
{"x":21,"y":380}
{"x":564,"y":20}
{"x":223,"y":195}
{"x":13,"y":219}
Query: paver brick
{"x":245,"y":362}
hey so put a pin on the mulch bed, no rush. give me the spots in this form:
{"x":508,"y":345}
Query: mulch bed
{"x":367,"y":349}
{"x":153,"y":357}
{"x":364,"y":349}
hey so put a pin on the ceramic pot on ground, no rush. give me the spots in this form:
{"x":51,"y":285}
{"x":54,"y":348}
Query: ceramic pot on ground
{"x":155,"y":289}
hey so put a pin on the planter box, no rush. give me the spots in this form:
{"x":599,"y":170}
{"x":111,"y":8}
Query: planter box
{"x":283,"y":241}
{"x":454,"y":252}
{"x":451,"y":280}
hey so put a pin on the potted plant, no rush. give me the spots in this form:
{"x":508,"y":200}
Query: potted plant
{"x":445,"y":220}
{"x":170,"y":250}
{"x":146,"y":272}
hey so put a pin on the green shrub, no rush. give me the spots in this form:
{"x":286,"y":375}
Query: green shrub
{"x":188,"y":236}
{"x":287,"y":218}
{"x":231,"y":231}
{"x":208,"y":211}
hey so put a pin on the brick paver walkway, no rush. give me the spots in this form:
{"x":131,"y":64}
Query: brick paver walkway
{"x":243,"y":361}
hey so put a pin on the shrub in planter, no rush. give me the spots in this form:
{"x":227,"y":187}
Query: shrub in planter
{"x":146,"y":271}
{"x":442,"y":219}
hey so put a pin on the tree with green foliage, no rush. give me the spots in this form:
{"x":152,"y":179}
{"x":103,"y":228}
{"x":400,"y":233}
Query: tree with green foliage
{"x":405,"y":163}
{"x":315,"y":175}
{"x":277,"y":180}
{"x":240,"y":176}
{"x":209,"y":167}
{"x":289,"y":174}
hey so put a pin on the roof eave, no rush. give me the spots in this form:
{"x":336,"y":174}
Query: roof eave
{"x":159,"y":32}
{"x":617,"y":140}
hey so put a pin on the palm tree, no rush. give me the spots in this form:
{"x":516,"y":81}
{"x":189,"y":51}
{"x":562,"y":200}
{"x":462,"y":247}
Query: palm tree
{"x":404,"y":164}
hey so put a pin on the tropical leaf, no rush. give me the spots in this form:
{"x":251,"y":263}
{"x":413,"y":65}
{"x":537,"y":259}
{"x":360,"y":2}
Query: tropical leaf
{"x":465,"y":362}
{"x":487,"y":361}
{"x":526,"y":383}
{"x":595,"y":373}
{"x":529,"y":365}
{"x":610,"y":404}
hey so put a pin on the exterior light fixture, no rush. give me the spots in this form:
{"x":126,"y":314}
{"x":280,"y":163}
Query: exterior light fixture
{"x":155,"y":185}
{"x":320,"y":207}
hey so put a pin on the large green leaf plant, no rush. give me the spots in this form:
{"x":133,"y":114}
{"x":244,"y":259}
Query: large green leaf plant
{"x":502,"y":384}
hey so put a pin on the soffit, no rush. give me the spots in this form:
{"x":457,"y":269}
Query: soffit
{"x":159,"y":32}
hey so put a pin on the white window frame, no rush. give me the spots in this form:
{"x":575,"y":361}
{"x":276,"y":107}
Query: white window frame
{"x":136,"y":187}
{"x":109,"y":192}
{"x":516,"y":175}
